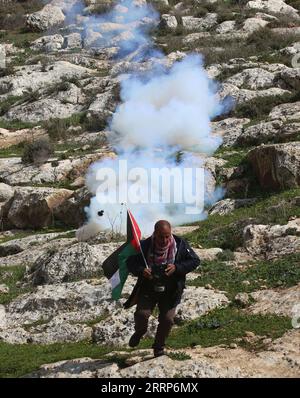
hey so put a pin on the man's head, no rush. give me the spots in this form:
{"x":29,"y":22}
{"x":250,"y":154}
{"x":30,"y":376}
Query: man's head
{"x":162,"y":232}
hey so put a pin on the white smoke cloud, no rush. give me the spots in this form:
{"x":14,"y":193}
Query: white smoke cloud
{"x":161,"y":112}
{"x":173,"y":108}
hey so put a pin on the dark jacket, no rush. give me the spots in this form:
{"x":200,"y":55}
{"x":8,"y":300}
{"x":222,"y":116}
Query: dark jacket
{"x":186,"y":260}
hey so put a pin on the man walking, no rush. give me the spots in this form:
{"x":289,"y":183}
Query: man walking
{"x":161,"y":270}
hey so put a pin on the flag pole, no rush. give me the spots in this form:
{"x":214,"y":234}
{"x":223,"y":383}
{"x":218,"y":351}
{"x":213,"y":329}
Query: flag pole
{"x":136,"y":236}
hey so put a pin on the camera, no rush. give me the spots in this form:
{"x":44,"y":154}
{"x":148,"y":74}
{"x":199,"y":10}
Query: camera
{"x":159,"y":277}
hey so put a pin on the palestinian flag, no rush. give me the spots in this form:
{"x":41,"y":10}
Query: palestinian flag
{"x":114,"y":266}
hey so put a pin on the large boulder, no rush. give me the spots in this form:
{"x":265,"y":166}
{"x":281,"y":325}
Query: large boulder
{"x":286,"y":112}
{"x":14,"y":172}
{"x":200,"y":24}
{"x":38,"y":76}
{"x":105,"y":103}
{"x":55,"y":313}
{"x":71,"y":211}
{"x":283,"y":302}
{"x":228,"y":205}
{"x":252,"y":24}
{"x":73,"y":40}
{"x":48,"y":43}
{"x":272,"y":241}
{"x":168,"y":22}
{"x":78,"y":261}
{"x":291,"y":78}
{"x":6,"y":192}
{"x":242,"y":95}
{"x":49,"y":17}
{"x":253,"y":79}
{"x":271,"y":131}
{"x":42,"y":110}
{"x":32,"y":207}
{"x":230,"y":129}
{"x":277,"y":166}
{"x":226,"y":27}
{"x":273,"y":6}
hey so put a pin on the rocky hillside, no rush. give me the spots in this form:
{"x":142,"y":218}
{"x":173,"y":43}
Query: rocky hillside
{"x":58,"y":87}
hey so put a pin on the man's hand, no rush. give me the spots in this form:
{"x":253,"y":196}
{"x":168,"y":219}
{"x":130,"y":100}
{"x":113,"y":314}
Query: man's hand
{"x":171,"y":268}
{"x":147,"y":273}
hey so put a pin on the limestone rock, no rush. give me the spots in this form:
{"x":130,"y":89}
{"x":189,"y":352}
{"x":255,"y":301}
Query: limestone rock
{"x":291,"y":78}
{"x":292,"y":49}
{"x":78,"y":261}
{"x":230,"y":130}
{"x":71,"y":212}
{"x":48,"y":43}
{"x":37,"y":77}
{"x":73,"y":40}
{"x":14,"y":246}
{"x":15,"y":255}
{"x":202,"y":24}
{"x":242,"y":299}
{"x":6,"y":192}
{"x":49,"y":17}
{"x":286,"y":112}
{"x":253,"y":79}
{"x":272,"y":241}
{"x":41,"y":110}
{"x":208,"y":254}
{"x":252,"y":24}
{"x":14,"y":172}
{"x":168,"y":21}
{"x":277,"y":166}
{"x":280,"y":302}
{"x":274,"y":6}
{"x":261,"y":133}
{"x":244,"y":95}
{"x":32,"y":207}
{"x":226,"y":206}
{"x":225,"y":27}
{"x":4,"y":289}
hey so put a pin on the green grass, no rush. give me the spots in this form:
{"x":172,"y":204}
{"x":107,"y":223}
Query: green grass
{"x":225,"y":326}
{"x":284,"y":273}
{"x":179,"y":356}
{"x":16,"y":125}
{"x":18,"y":360}
{"x":234,"y":157}
{"x":12,"y":151}
{"x":225,"y":231}
{"x":6,"y":104}
{"x":10,"y":276}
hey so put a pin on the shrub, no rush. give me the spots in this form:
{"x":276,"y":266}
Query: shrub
{"x":226,"y":255}
{"x":57,"y":128}
{"x":37,"y":152}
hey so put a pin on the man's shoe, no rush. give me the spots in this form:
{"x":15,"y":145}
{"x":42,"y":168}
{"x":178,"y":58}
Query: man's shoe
{"x":134,"y":340}
{"x":158,"y":352}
